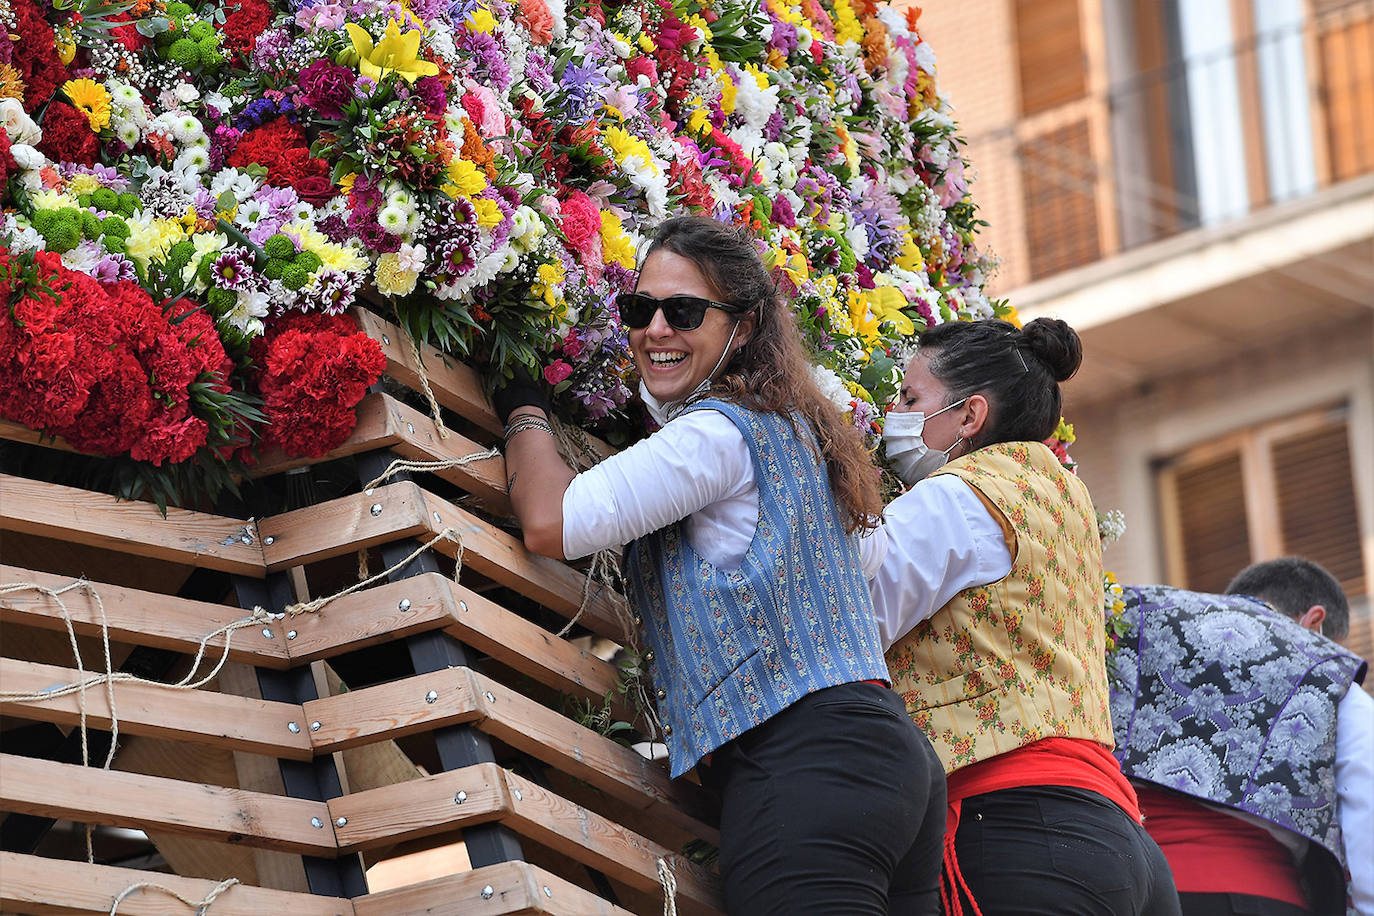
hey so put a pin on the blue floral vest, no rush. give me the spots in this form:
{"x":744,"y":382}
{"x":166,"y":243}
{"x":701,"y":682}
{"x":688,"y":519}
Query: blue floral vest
{"x":1221,"y":698}
{"x":729,"y":649}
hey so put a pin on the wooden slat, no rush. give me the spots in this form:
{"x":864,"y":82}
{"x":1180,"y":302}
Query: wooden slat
{"x":384,"y":422}
{"x":402,"y":707}
{"x":421,"y":807}
{"x":530,"y":649}
{"x":456,"y":386}
{"x":196,"y":716}
{"x":149,"y":803}
{"x":32,"y":884}
{"x":617,"y":770}
{"x":380,"y":614}
{"x":343,"y":526}
{"x":196,"y":538}
{"x":507,"y":889}
{"x":604,"y":845}
{"x":393,"y":710}
{"x":433,"y":805}
{"x":18,"y":432}
{"x":140,"y":617}
{"x":503,"y":558}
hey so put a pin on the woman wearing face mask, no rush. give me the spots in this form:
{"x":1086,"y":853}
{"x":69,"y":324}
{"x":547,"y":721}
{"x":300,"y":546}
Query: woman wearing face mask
{"x":989,"y":593}
{"x":746,"y":581}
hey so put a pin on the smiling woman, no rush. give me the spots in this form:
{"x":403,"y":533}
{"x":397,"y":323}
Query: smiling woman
{"x":745,"y":575}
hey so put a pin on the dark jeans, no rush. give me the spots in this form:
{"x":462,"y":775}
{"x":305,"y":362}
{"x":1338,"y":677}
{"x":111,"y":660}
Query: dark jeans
{"x":1055,"y":850}
{"x":834,"y":806}
{"x":1237,"y":905}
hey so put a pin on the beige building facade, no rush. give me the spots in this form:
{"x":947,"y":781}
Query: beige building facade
{"x":1190,"y":184}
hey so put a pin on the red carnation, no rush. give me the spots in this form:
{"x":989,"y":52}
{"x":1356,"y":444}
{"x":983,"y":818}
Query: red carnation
{"x":7,"y":164}
{"x":314,"y":370}
{"x":282,"y":148}
{"x":35,"y":55}
{"x":245,"y":23}
{"x":67,"y":135}
{"x":174,"y":442}
{"x":580,"y":221}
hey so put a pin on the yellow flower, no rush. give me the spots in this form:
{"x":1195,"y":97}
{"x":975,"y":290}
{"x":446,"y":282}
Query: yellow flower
{"x":464,"y":178}
{"x":488,"y":213}
{"x":728,"y":91}
{"x":65,"y":44}
{"x":346,"y":183}
{"x":549,"y":283}
{"x":150,"y":241}
{"x":624,"y":145}
{"x":481,"y":20}
{"x":616,"y":246}
{"x":83,"y":184}
{"x":886,"y":304}
{"x":92,"y":99}
{"x":392,"y":279}
{"x":697,"y":121}
{"x":1064,"y":433}
{"x":395,"y":53}
{"x":851,"y":150}
{"x":11,"y":84}
{"x":646,"y":44}
{"x":1012,"y":315}
{"x":865,"y":325}
{"x":910,"y":258}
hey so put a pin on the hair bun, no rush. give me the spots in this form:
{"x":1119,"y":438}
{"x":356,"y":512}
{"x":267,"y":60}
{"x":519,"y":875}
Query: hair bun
{"x":1056,"y":344}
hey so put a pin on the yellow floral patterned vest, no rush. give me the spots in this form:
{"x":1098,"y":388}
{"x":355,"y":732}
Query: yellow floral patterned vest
{"x":1021,"y":659}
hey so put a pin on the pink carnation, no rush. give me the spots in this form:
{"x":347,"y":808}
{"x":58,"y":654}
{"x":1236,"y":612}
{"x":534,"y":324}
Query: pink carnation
{"x":557,"y":371}
{"x":580,"y":221}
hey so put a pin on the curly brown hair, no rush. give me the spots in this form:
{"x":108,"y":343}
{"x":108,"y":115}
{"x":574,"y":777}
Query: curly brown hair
{"x":771,"y":372}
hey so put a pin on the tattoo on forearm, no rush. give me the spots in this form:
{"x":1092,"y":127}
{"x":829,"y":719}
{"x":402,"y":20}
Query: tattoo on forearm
{"x":510,"y":484}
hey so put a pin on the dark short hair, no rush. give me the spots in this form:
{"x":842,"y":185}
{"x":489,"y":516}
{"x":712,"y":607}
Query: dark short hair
{"x":1017,"y":369}
{"x":1291,"y":585}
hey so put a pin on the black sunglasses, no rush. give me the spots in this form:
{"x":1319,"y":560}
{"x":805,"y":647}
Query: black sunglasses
{"x":685,"y":313}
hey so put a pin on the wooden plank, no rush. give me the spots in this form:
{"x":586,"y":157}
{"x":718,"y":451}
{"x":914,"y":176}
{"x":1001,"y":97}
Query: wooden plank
{"x":141,"y":617}
{"x":503,"y":558}
{"x":421,"y":807}
{"x":32,"y":884}
{"x":455,"y":386}
{"x":384,"y":422}
{"x":598,"y":842}
{"x":526,"y":647}
{"x":383,"y":613}
{"x":344,"y":525}
{"x":184,"y":536}
{"x":195,"y":716}
{"x":418,"y":703}
{"x":496,"y":890}
{"x":150,"y":803}
{"x":617,"y":770}
{"x":18,"y":432}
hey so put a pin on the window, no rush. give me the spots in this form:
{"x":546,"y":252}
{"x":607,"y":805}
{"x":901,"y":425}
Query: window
{"x":1281,"y":488}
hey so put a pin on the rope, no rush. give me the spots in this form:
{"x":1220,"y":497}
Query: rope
{"x":310,"y":607}
{"x":669,"y":882}
{"x":443,"y":464}
{"x":429,"y":392}
{"x":200,"y":906}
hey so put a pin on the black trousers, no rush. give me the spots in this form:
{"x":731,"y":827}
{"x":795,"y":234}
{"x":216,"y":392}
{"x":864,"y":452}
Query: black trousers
{"x":834,"y":806}
{"x":1237,"y":905}
{"x":1055,"y":850}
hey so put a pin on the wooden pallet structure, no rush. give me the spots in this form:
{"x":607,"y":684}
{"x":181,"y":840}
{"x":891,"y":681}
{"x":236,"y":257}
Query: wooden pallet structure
{"x":420,"y":726}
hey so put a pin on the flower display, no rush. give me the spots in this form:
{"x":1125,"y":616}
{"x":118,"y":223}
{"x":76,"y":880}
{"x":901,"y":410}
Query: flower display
{"x":486,"y":173}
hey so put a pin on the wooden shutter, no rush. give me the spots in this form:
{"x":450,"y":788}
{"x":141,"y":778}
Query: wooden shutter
{"x":1346,"y":51}
{"x":1213,"y":531}
{"x":1049,"y":46}
{"x":1058,"y":179}
{"x":1316,"y":499}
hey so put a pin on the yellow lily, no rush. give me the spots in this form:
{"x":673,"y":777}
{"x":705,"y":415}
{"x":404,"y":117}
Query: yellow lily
{"x":886,"y":304}
{"x":395,"y":53}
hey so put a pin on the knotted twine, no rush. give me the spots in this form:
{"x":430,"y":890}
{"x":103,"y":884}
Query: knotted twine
{"x":429,"y":392}
{"x":201,"y":906}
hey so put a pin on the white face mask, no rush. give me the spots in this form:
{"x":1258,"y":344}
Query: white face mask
{"x":911,"y":457}
{"x":662,"y":412}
